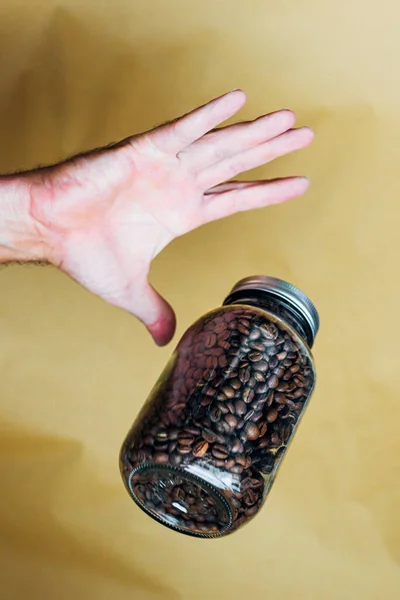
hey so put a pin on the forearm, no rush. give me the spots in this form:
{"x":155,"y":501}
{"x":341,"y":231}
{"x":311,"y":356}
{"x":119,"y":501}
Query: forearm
{"x":21,"y":236}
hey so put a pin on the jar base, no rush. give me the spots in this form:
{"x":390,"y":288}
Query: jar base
{"x":180,"y":500}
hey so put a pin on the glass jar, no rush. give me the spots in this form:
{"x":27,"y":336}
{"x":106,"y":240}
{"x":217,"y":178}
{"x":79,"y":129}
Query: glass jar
{"x":205,"y":449}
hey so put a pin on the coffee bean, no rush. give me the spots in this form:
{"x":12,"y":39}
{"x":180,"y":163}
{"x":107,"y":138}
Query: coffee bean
{"x":243,"y":329}
{"x":185,"y":438}
{"x":215,"y":414}
{"x":272,"y":415}
{"x":269,"y":331}
{"x":264,"y":441}
{"x":230,"y":406}
{"x":257,"y":416}
{"x":229,"y":392}
{"x":252,"y":431}
{"x":263,"y":429}
{"x":224,"y":345}
{"x":280,"y":398}
{"x":222,"y":361}
{"x":262,"y":366}
{"x":258,"y":346}
{"x":279,"y":372}
{"x":273,"y":382}
{"x":298,"y":381}
{"x":248,"y":395}
{"x":275,"y":439}
{"x":219,"y":327}
{"x":244,"y":374}
{"x":161,"y":458}
{"x":261,"y":388}
{"x":229,"y":463}
{"x":200,"y":448}
{"x":238,"y":469}
{"x":235,"y":383}
{"x":254,"y":335}
{"x":231,"y":420}
{"x":219,"y":452}
{"x":184,"y":449}
{"x":258,"y":376}
{"x":237,"y":447}
{"x":250,"y":497}
{"x":270,"y":398}
{"x":255,"y":356}
{"x":250,"y":512}
{"x":240,"y":407}
{"x":249,"y":414}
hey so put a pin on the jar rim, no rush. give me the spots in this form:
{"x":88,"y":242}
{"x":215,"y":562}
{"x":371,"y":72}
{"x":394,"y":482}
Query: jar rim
{"x":285,"y":290}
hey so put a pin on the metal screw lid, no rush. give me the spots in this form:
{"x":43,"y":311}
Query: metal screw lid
{"x":283,"y":289}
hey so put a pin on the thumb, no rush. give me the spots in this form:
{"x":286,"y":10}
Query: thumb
{"x":154,"y":312}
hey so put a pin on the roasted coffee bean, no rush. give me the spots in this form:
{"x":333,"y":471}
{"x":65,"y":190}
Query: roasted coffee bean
{"x":237,"y":447}
{"x":161,"y":458}
{"x":275,"y":439}
{"x":258,"y":376}
{"x":262,"y":366}
{"x":244,"y":374}
{"x":219,"y":452}
{"x":255,"y":356}
{"x":222,"y":361}
{"x":248,"y":395}
{"x":240,"y":407}
{"x":273,"y":382}
{"x":257,"y":416}
{"x":272,"y":415}
{"x":209,"y":435}
{"x":259,"y":346}
{"x":264,"y":441}
{"x":243,"y":329}
{"x":280,"y":398}
{"x":298,"y":380}
{"x":172,"y":446}
{"x":235,"y":383}
{"x":200,"y":448}
{"x":252,"y":431}
{"x":238,"y":469}
{"x":215,"y":414}
{"x":185,"y":438}
{"x":222,"y":406}
{"x":273,"y":363}
{"x":263,"y":429}
{"x":231,"y":420}
{"x":254,"y":334}
{"x":229,"y":392}
{"x":249,"y":414}
{"x":261,"y":388}
{"x":230,"y":406}
{"x":269,"y":331}
{"x":279,"y":372}
{"x":229,"y":463}
{"x":184,"y":449}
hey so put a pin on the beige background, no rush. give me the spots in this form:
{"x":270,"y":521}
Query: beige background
{"x":74,"y":372}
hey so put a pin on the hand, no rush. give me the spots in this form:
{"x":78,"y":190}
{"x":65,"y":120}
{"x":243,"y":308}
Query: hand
{"x":106,"y":215}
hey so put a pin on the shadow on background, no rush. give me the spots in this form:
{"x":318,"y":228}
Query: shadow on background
{"x":35,"y":543}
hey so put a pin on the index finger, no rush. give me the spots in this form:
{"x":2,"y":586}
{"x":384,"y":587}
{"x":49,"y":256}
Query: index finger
{"x":173,"y":137}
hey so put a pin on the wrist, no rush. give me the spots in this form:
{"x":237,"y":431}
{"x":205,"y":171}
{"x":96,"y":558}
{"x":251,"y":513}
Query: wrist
{"x":22,"y":238}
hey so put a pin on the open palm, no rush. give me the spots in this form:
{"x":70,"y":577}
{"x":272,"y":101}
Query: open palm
{"x":108,"y":214}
